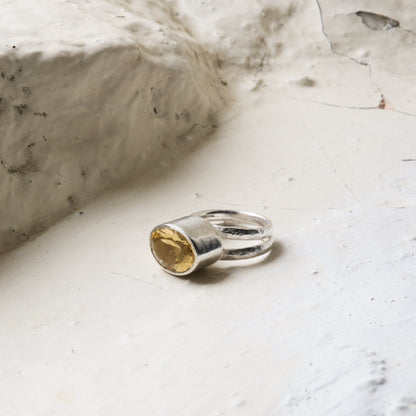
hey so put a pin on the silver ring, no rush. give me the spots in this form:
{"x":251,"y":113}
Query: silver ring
{"x":190,"y":243}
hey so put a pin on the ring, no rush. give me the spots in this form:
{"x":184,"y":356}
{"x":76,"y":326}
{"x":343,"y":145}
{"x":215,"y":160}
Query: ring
{"x":190,"y":243}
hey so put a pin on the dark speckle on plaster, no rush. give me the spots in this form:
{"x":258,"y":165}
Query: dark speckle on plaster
{"x":2,"y":104}
{"x":186,"y":116}
{"x":21,"y":108}
{"x":29,"y":166}
{"x":43,"y":114}
{"x":26,"y":91}
{"x":23,"y":236}
{"x":13,"y":169}
{"x":378,"y":381}
{"x":307,"y":82}
{"x":10,"y":77}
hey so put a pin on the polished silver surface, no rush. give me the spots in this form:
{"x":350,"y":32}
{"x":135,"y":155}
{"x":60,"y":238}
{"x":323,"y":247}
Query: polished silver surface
{"x":203,"y":237}
{"x":207,"y":231}
{"x":241,"y":225}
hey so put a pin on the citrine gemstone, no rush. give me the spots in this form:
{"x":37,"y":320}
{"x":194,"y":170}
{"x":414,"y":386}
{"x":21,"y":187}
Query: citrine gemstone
{"x":172,"y":250}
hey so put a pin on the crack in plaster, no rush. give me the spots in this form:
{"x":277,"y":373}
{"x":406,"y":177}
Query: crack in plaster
{"x":335,"y":105}
{"x":331,"y":44}
{"x":331,"y":164}
{"x":134,"y":278}
{"x":348,"y":107}
{"x":367,"y":64}
{"x":309,"y":208}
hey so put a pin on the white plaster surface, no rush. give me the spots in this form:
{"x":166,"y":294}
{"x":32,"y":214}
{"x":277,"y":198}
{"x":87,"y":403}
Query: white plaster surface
{"x":325,"y":325}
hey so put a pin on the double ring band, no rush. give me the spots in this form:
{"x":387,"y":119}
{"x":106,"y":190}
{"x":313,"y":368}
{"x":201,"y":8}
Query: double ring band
{"x":190,"y":243}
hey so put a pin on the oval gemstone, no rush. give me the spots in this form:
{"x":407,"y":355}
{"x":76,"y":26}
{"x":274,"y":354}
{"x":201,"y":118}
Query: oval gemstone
{"x":172,"y":250}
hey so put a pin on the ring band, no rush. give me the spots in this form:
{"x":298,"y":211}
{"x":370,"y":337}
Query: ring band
{"x":241,"y":225}
{"x":190,"y":243}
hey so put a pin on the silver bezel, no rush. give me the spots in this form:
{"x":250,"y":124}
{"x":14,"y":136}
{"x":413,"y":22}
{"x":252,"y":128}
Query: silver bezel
{"x":203,"y":238}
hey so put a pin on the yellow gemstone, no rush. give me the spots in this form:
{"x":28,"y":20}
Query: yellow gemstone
{"x":172,"y":250}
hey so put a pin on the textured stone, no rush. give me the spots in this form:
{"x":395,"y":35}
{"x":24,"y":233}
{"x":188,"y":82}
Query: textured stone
{"x":84,"y":109}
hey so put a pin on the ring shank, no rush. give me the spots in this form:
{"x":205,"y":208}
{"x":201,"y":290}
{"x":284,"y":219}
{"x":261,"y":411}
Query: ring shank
{"x":241,"y":225}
